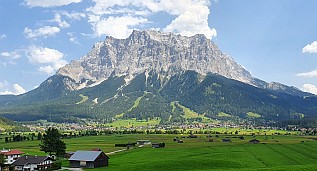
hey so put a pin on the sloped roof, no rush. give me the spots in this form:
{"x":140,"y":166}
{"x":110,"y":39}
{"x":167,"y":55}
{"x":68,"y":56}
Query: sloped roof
{"x":85,"y":155}
{"x":30,"y":159}
{"x":12,"y":152}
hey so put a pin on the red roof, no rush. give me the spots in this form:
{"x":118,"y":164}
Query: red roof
{"x":12,"y":152}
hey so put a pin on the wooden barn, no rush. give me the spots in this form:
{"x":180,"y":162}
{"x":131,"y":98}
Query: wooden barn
{"x":254,"y":141}
{"x":88,"y":159}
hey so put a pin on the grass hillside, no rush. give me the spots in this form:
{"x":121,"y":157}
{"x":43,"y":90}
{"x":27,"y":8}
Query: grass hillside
{"x":147,"y":96}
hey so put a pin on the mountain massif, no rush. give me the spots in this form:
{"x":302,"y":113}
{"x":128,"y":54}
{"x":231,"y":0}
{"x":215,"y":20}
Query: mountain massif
{"x":153,"y":74}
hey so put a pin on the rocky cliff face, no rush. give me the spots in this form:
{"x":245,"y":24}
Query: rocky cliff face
{"x":164,"y":54}
{"x":143,"y":51}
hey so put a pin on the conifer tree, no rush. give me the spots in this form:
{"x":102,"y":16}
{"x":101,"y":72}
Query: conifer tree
{"x":51,"y":143}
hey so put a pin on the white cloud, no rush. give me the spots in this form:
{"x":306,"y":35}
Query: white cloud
{"x":310,"y":88}
{"x":193,"y":21}
{"x":52,"y":58}
{"x":4,"y":84}
{"x":310,"y":74}
{"x":310,"y":48}
{"x":47,"y":69}
{"x":119,"y":27}
{"x":2,"y":36}
{"x":73,"y":15}
{"x":191,"y":16}
{"x":74,"y":40}
{"x":61,"y":23}
{"x":12,"y":55}
{"x":49,"y":3}
{"x":45,"y":31}
{"x":16,"y":90}
{"x":6,"y":92}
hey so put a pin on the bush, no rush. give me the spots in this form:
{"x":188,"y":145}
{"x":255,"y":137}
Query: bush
{"x":162,"y":144}
{"x":120,"y":145}
{"x":55,"y":166}
{"x":125,"y":145}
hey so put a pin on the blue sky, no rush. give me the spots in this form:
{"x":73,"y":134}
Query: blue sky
{"x":276,"y":40}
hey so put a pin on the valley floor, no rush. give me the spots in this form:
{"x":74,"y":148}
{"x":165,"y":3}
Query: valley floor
{"x":274,"y":152}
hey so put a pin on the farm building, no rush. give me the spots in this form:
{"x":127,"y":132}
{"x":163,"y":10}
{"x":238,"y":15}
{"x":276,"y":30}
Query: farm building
{"x":254,"y":141}
{"x":10,"y":155}
{"x":226,"y":140}
{"x":143,"y":142}
{"x":31,"y":163}
{"x":88,"y":159}
{"x":192,"y":136}
{"x":158,"y":145}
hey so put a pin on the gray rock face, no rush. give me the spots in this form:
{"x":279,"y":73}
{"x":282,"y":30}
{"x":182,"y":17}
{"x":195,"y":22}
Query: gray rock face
{"x":164,"y":53}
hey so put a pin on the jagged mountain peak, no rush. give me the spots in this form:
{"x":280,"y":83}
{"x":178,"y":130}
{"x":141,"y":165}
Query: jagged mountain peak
{"x":164,"y":53}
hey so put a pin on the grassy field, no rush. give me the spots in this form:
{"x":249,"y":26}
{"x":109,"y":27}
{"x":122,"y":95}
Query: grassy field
{"x":275,"y":152}
{"x":84,"y":98}
{"x":192,"y":114}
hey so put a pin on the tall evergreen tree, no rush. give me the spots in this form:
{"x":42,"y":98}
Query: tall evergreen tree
{"x":39,"y":136}
{"x":51,"y":143}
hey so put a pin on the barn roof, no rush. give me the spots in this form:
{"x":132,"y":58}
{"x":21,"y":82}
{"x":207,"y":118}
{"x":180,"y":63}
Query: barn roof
{"x":30,"y":159}
{"x":85,"y":155}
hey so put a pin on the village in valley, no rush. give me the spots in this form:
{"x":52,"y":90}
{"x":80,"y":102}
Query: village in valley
{"x":93,"y":145}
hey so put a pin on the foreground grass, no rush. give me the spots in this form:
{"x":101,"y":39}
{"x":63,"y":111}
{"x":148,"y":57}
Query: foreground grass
{"x":281,"y":153}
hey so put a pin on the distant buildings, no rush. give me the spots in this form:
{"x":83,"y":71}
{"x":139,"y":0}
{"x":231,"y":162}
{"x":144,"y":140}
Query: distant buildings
{"x":24,"y":163}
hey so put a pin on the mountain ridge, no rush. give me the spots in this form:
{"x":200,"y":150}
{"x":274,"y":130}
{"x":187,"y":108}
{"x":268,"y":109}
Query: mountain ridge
{"x":165,"y":53}
{"x":154,"y":69}
{"x":142,"y":52}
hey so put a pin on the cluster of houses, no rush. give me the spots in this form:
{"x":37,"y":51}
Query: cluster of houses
{"x":15,"y":159}
{"x":88,"y":159}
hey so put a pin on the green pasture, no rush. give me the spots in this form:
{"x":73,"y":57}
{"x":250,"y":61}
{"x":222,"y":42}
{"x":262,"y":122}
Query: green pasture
{"x":275,"y":152}
{"x":84,"y":98}
{"x":222,"y":114}
{"x":242,"y":131}
{"x":188,"y":113}
{"x":253,"y":115}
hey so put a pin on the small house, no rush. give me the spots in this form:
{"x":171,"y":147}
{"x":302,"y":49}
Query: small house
{"x":10,"y":155}
{"x":156,"y":145}
{"x":254,"y":141}
{"x":226,"y":140}
{"x":31,"y":163}
{"x":192,"y":136}
{"x":143,"y":142}
{"x":88,"y":159}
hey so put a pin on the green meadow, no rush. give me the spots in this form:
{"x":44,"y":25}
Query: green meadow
{"x":274,"y":152}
